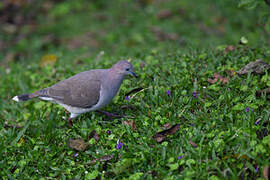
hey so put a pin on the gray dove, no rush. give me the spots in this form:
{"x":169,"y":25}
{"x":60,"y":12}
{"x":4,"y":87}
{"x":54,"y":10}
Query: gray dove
{"x":85,"y":91}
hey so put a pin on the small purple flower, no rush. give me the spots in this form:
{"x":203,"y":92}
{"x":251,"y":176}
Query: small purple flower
{"x":127,"y":98}
{"x":76,"y":154}
{"x":195,"y":94}
{"x":257,"y":122}
{"x":108,"y":132}
{"x":247,"y":109}
{"x":119,"y":145}
{"x":168,"y":93}
{"x":257,"y":169}
{"x":180,"y":157}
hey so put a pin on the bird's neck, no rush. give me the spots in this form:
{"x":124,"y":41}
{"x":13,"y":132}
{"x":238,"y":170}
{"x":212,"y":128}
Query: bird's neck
{"x":117,"y":78}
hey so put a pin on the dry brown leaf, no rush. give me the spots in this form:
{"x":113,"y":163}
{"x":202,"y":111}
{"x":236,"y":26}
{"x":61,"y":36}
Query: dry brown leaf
{"x":85,"y":40}
{"x":102,"y":159}
{"x":149,"y":114}
{"x":160,"y":136}
{"x":192,"y":143}
{"x":167,"y":125}
{"x":236,"y":156}
{"x":162,"y":36}
{"x":48,"y":59}
{"x":128,"y":107}
{"x":142,"y":65}
{"x":130,"y":123}
{"x":266,"y":172}
{"x":257,"y":67}
{"x":6,"y":125}
{"x":264,"y":91}
{"x":94,"y":135}
{"x":231,"y":72}
{"x":218,"y":78}
{"x":229,"y":48}
{"x":77,"y":144}
{"x":164,"y":14}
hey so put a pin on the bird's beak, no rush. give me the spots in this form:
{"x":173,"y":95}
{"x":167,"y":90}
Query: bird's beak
{"x":133,"y":74}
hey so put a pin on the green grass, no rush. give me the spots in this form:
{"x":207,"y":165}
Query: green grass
{"x":229,"y":146}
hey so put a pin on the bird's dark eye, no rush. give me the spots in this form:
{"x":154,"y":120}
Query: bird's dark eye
{"x":127,"y":69}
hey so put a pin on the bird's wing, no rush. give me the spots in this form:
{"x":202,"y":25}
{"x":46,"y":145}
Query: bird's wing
{"x":81,"y":90}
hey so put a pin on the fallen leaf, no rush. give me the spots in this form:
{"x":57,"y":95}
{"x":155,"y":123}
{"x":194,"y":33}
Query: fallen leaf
{"x":134,"y":91}
{"x":218,"y":78}
{"x":167,"y":125}
{"x":264,"y":91}
{"x":231,"y":72}
{"x":257,"y":67}
{"x":266,"y":172}
{"x":162,"y":36}
{"x":128,"y":107}
{"x":236,"y":156}
{"x":46,"y":60}
{"x":229,"y":48}
{"x":94,"y":135}
{"x":21,"y":142}
{"x":77,"y":144}
{"x":9,"y":28}
{"x":149,"y":114}
{"x":6,"y":125}
{"x":164,"y":14}
{"x":192,"y":143}
{"x":145,"y":2}
{"x":130,"y":123}
{"x":142,"y":65}
{"x":160,"y":136}
{"x":102,"y":159}
{"x":87,"y":39}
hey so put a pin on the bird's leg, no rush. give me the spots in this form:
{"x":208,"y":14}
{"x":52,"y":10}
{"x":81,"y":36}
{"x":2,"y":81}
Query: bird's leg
{"x":109,"y":114}
{"x":70,"y":124}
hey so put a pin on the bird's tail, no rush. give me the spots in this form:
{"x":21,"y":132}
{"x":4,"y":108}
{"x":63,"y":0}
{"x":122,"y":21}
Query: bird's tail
{"x":24,"y":97}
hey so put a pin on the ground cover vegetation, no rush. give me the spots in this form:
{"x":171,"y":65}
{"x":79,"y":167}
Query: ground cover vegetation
{"x":193,"y":113}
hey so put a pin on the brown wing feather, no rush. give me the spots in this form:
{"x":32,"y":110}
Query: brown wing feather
{"x":81,"y":90}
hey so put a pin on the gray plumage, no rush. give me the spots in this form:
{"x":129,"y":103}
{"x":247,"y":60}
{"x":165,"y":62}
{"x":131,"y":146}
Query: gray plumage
{"x":86,"y":91}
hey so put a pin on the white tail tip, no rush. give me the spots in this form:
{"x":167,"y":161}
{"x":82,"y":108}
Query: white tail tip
{"x":15,"y":98}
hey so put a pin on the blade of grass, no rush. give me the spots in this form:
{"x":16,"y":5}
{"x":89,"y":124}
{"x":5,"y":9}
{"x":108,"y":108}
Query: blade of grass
{"x":21,"y":133}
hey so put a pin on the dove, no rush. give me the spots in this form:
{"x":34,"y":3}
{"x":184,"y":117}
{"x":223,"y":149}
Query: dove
{"x":86,"y":91}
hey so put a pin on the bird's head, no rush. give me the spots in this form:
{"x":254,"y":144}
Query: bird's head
{"x":124,"y":67}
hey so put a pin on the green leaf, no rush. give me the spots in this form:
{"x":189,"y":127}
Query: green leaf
{"x":190,"y":162}
{"x":238,"y":107}
{"x":91,"y":175}
{"x":173,"y":166}
{"x":248,"y":4}
{"x":135,"y":176}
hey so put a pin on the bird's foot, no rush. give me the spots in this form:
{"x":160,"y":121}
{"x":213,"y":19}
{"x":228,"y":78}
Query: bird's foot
{"x":70,"y":124}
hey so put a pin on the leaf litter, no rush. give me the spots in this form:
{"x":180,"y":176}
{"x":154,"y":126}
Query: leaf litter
{"x":77,"y":144}
{"x":102,"y":159}
{"x":94,"y":135}
{"x":160,"y":136}
{"x":256,"y":67}
{"x":219,"y":79}
{"x":130,"y":123}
